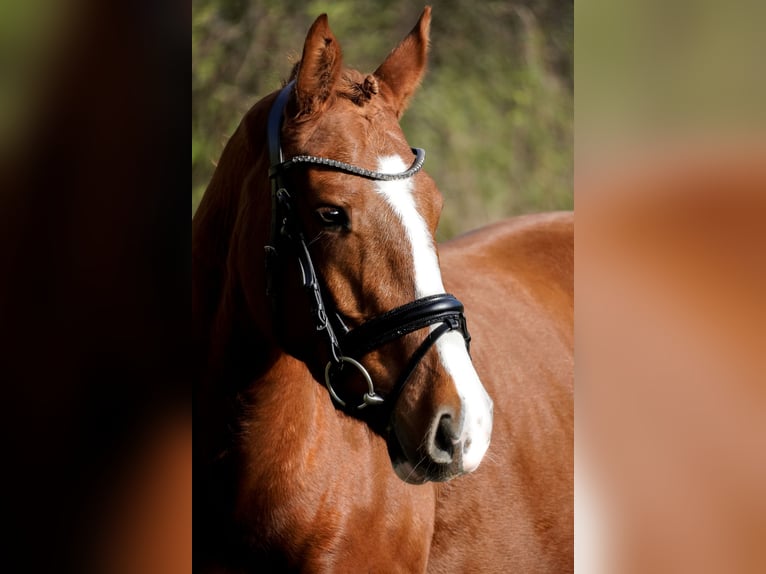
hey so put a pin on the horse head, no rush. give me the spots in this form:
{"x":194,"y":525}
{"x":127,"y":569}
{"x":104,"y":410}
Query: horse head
{"x":354,"y":285}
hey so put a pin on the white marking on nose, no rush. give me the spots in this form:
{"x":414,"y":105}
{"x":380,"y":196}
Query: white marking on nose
{"x":477,"y":406}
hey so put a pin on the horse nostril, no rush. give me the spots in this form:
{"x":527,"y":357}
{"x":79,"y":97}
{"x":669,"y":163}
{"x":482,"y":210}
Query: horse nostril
{"x":445,"y":438}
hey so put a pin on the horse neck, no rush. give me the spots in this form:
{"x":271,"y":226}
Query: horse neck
{"x":231,"y":225}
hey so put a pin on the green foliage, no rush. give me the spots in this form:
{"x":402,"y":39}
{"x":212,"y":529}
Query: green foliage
{"x":494,"y":112}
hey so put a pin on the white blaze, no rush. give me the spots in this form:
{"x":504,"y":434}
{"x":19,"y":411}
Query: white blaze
{"x":477,"y":406}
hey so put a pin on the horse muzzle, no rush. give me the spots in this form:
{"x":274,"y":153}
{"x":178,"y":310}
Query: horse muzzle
{"x":448,"y":450}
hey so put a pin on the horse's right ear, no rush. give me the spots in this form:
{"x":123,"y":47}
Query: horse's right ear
{"x":318,"y":70}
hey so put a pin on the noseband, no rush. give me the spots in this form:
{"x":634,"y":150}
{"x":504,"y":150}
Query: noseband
{"x":443,"y":310}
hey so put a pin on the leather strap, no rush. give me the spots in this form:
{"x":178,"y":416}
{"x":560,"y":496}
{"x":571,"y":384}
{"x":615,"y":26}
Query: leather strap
{"x":398,"y":322}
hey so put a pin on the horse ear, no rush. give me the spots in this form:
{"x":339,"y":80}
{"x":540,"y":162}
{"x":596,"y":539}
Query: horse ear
{"x":402,"y":71}
{"x":319,"y":68}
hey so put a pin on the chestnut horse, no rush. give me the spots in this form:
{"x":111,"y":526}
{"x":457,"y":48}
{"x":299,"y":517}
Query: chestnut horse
{"x":343,"y":411}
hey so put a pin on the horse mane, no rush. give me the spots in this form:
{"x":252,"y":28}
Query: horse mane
{"x":214,"y":226}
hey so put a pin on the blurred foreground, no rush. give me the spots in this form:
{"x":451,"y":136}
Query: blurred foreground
{"x":671,"y":355}
{"x":96,"y":429}
{"x":670,"y":283}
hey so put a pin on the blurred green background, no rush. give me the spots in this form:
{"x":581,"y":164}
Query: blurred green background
{"x":494,"y":112}
{"x":33,"y":35}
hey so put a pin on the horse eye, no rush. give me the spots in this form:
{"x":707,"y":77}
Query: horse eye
{"x":330,"y":216}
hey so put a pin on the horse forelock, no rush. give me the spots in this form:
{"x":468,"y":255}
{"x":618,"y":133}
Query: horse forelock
{"x":357,"y":87}
{"x":353,"y":85}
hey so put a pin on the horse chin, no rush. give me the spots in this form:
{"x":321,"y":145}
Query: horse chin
{"x":403,"y":468}
{"x":418,"y":472}
{"x":409,"y":473}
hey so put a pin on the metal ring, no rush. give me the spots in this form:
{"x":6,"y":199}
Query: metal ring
{"x":369,"y":398}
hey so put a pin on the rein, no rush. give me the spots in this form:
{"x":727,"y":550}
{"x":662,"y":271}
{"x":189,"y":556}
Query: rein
{"x":443,"y":310}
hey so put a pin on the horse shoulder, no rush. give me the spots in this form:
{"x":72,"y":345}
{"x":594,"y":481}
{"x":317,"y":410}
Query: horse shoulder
{"x":515,"y":279}
{"x":317,"y":487}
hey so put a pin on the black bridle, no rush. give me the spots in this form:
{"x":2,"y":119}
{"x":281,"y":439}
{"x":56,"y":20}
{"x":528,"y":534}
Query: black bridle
{"x":443,"y":309}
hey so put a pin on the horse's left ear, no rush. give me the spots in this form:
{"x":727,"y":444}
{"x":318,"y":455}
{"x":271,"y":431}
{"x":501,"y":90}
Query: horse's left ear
{"x":318,"y":70}
{"x":400,"y":75}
